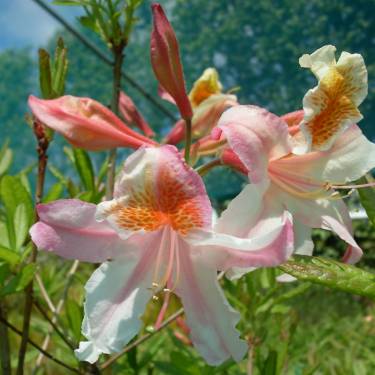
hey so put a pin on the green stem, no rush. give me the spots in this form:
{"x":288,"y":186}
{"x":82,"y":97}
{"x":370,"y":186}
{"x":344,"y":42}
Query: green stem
{"x":43,"y":144}
{"x":4,"y":344}
{"x":188,"y":136}
{"x":117,"y":66}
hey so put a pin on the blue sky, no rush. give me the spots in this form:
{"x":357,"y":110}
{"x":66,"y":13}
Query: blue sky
{"x":23,"y":23}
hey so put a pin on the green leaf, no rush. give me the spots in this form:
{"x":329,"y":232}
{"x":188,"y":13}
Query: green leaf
{"x":4,"y":272}
{"x":21,"y":222}
{"x":84,"y":168}
{"x":60,"y":68}
{"x":6,"y":156}
{"x":9,"y":256}
{"x":19,"y":282}
{"x":74,"y":314}
{"x":13,"y":193}
{"x":54,"y":192}
{"x":367,"y":197}
{"x":270,"y":365}
{"x":331,"y":273}
{"x":45,"y":77}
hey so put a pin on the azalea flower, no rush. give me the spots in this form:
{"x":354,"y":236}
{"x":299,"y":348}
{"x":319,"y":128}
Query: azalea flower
{"x":259,"y":144}
{"x":208,"y":103}
{"x":86,"y":123}
{"x":332,"y":106}
{"x":156,"y":237}
{"x":132,"y":116}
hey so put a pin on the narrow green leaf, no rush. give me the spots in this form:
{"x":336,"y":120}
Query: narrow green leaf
{"x":18,"y":282}
{"x":367,"y":197}
{"x":74,"y":314}
{"x":270,"y":365}
{"x":4,"y":236}
{"x":6,"y":157}
{"x":60,"y":68}
{"x":21,"y":223}
{"x":84,"y":168}
{"x":54,"y":192}
{"x":9,"y":256}
{"x":45,"y":77}
{"x":331,"y":273}
{"x":12,"y":194}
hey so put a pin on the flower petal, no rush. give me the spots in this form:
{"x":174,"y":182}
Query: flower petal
{"x":209,"y":316}
{"x":332,"y":106}
{"x":116,"y":297}
{"x":256,"y":136}
{"x":86,"y":123}
{"x":351,"y":157}
{"x":155,"y":188}
{"x":68,"y":228}
{"x":326,"y":214}
{"x":205,"y":86}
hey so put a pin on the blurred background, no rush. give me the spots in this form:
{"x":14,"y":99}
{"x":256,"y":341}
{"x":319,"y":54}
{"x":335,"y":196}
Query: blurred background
{"x":255,"y":45}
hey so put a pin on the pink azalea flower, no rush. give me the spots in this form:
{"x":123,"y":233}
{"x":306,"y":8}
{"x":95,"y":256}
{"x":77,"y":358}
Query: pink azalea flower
{"x":165,"y":61}
{"x":86,"y":123}
{"x":259,"y":144}
{"x":156,"y":233}
{"x":132,"y":116}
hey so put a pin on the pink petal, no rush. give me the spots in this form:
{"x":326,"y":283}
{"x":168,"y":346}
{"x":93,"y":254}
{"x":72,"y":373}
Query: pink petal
{"x":68,"y":228}
{"x":209,"y":316}
{"x":323,"y":213}
{"x":116,"y":297}
{"x":157,"y":188}
{"x":255,"y":136}
{"x":165,"y":60}
{"x":351,"y":157}
{"x":132,"y":116}
{"x":86,"y":123}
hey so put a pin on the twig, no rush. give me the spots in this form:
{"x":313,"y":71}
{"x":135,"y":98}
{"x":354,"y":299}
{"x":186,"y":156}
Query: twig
{"x":44,"y":292}
{"x":42,"y":148}
{"x":54,"y":326}
{"x":118,"y":59}
{"x":58,"y":309}
{"x":36,"y":346}
{"x":4,"y":345}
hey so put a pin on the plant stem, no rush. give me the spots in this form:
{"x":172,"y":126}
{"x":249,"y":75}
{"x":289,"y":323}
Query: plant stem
{"x":188,"y":135}
{"x":117,"y":65}
{"x":203,"y":169}
{"x":58,"y":309}
{"x":36,"y":346}
{"x":42,"y":148}
{"x":4,"y":344}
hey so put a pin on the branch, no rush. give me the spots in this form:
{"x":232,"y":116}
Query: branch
{"x":36,"y":346}
{"x":4,"y":345}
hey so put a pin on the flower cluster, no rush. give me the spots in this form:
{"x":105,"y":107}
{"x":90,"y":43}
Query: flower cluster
{"x":157,"y":235}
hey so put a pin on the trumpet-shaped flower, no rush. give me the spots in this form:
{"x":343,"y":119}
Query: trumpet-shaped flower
{"x":206,"y":85}
{"x":208,"y":104}
{"x":86,"y":123}
{"x":259,"y":144}
{"x":132,"y":116}
{"x":332,"y":106}
{"x":166,"y":63}
{"x":156,"y":234}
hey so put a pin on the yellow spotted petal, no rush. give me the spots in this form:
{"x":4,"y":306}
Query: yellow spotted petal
{"x":332,"y":106}
{"x":205,"y":86}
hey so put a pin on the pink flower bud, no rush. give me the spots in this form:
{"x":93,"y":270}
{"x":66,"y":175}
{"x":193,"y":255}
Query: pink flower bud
{"x":86,"y":123}
{"x":165,"y":60}
{"x":132,"y":116}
